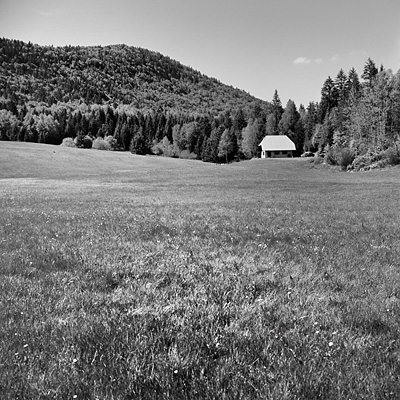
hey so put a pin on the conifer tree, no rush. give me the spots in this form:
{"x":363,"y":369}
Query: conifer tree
{"x":309,"y":122}
{"x":272,"y":127}
{"x":353,"y":84}
{"x":138,"y":143}
{"x":277,"y":109}
{"x":341,"y":86}
{"x":211,"y":152}
{"x":370,"y":72}
{"x":329,"y":98}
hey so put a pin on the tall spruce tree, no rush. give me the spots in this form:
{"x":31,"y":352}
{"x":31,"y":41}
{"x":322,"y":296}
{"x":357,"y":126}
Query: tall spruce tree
{"x":353,"y":84}
{"x":277,"y":110}
{"x":341,"y":87}
{"x":329,"y":99}
{"x":369,"y":73}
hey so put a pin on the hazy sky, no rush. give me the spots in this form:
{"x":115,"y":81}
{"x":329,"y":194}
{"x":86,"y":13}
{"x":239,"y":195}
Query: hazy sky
{"x":255,"y":45}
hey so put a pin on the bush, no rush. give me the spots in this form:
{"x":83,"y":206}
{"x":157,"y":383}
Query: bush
{"x":346,"y":157}
{"x":363,"y":161}
{"x":164,"y":148}
{"x":331,"y":157}
{"x":113,"y":142}
{"x":186,"y":154}
{"x":317,"y":160}
{"x":84,"y":142}
{"x":101,"y":144}
{"x":392,"y":155}
{"x":68,"y":142}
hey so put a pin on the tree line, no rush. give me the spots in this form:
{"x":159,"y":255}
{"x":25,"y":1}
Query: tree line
{"x":46,"y":96}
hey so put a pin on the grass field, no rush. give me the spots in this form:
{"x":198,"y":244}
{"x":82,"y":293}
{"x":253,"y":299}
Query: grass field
{"x":129,"y":277}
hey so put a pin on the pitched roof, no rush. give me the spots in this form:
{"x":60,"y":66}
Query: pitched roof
{"x":277,"y":143}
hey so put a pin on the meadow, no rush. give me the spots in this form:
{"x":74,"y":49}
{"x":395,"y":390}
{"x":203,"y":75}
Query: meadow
{"x":139,"y":277}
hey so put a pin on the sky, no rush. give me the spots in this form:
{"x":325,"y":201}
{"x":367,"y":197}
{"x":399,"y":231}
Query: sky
{"x":255,"y":45}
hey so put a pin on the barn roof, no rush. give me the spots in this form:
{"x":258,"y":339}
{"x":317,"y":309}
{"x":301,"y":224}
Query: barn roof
{"x":277,"y":143}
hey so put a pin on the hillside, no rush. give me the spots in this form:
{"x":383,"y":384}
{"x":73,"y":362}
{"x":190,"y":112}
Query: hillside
{"x":146,"y":103}
{"x":118,"y":74}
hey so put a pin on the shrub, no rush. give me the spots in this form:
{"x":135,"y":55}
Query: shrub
{"x":84,"y":142}
{"x":318,"y":160}
{"x":68,"y":142}
{"x":379,"y":164}
{"x":101,"y":144}
{"x":392,"y":155}
{"x":346,"y":157}
{"x":113,"y":142}
{"x":186,"y":154}
{"x":363,"y":161}
{"x":331,"y":157}
{"x":164,"y":148}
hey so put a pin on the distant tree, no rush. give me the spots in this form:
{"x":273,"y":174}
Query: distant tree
{"x":369,"y":73}
{"x":250,"y":139}
{"x":288,"y":124}
{"x":138,"y":143}
{"x":272,"y":127}
{"x":70,"y":127}
{"x":47,"y":129}
{"x":8,"y":125}
{"x":226,"y":145}
{"x":211,"y":152}
{"x":239,"y":122}
{"x":353,"y":84}
{"x":227,"y":120}
{"x":288,"y":120}
{"x":190,"y":131}
{"x":160,"y":122}
{"x":341,"y":85}
{"x":323,"y":133}
{"x":309,"y":121}
{"x":277,"y":110}
{"x":329,"y":98}
{"x":179,"y":139}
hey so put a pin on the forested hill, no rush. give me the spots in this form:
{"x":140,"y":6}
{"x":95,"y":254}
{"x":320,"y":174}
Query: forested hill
{"x":127,"y":98}
{"x":115,"y":74}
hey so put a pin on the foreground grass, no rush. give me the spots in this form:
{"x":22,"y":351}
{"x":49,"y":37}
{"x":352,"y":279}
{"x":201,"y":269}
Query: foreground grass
{"x":171,"y":279}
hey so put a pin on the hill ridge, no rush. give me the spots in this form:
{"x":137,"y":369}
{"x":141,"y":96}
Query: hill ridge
{"x":141,"y":78}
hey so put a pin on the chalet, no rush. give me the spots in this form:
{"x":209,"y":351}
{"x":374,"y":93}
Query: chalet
{"x":274,"y":146}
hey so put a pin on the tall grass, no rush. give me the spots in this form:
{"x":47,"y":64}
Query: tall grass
{"x":182,"y":280}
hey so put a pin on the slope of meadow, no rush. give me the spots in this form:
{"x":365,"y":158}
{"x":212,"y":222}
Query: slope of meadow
{"x":129,"y":277}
